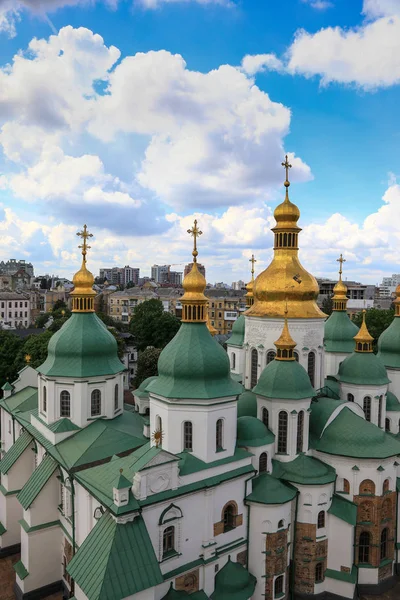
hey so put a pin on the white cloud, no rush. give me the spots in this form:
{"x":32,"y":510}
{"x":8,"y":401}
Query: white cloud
{"x":254,"y":63}
{"x":152,"y":4}
{"x":374,"y":9}
{"x":319,"y":4}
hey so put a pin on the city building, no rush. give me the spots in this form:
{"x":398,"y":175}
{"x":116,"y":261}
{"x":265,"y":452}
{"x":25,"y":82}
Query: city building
{"x":360,"y":295}
{"x":160,"y":273}
{"x":12,"y":266}
{"x":189,"y":267}
{"x":120,"y":275}
{"x":121,"y":304}
{"x":15,"y":310}
{"x":238,"y":285}
{"x":225,"y":308}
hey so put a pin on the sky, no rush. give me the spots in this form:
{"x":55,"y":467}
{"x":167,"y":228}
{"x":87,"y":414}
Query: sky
{"x":138,"y":116}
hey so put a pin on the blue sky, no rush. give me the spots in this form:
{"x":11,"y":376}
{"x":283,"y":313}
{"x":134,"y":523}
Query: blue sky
{"x":137,"y":116}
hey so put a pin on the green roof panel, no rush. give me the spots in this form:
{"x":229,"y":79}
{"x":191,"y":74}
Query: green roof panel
{"x":392,"y":402}
{"x":343,"y":509}
{"x":321,"y":410}
{"x":252,"y":432}
{"x":22,"y":401}
{"x":233,"y":582}
{"x":16,"y":450}
{"x":237,"y":337}
{"x":247,"y":404}
{"x":286,"y":380}
{"x":20,"y":570}
{"x":389,"y":345}
{"x":304,"y":470}
{"x":363,"y":368}
{"x":339,"y":333}
{"x":270,"y":490}
{"x":36,"y":482}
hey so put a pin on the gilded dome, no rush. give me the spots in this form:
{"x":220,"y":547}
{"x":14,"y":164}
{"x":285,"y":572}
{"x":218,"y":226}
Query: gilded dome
{"x":83,"y":293}
{"x":194,"y":302}
{"x":83,"y":281}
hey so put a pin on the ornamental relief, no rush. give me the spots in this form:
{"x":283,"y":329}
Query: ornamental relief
{"x":312,"y":339}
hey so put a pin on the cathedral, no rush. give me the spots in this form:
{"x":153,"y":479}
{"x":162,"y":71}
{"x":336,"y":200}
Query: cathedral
{"x":265,"y":472}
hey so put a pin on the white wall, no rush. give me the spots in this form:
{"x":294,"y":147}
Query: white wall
{"x":41,"y":554}
{"x":332,"y":361}
{"x":359,"y":392}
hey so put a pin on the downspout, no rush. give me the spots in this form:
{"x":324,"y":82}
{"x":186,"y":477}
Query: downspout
{"x":395,"y":533}
{"x":248,"y":518}
{"x":72,"y":593}
{"x":292,"y":574}
{"x":355,"y":552}
{"x":13,"y":422}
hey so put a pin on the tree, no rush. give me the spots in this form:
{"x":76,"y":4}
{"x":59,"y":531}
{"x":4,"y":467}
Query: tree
{"x":151,"y":326}
{"x":10,"y":346}
{"x":59,"y":305}
{"x":377,"y":321}
{"x":130,"y":284}
{"x":147,"y":364}
{"x":35,"y":346}
{"x":327,"y":305}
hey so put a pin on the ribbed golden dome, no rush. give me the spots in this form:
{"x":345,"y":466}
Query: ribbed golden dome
{"x":363,"y":338}
{"x":194,"y":284}
{"x":285,"y":343}
{"x":83,"y":293}
{"x":285,"y":279}
{"x":194,"y":302}
{"x":339,"y":297}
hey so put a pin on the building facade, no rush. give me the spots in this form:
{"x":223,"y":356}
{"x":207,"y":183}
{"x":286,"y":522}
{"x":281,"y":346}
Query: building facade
{"x":15,"y":310}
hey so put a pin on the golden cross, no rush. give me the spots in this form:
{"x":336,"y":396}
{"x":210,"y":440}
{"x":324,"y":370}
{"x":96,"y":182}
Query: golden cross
{"x":252,"y":260}
{"x":287,"y":166}
{"x":195,"y":232}
{"x":341,"y":260}
{"x":84,"y":234}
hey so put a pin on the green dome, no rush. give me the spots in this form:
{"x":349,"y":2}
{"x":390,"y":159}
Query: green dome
{"x":270,"y":490}
{"x":304,"y":470}
{"x":392,"y":402}
{"x":364,"y":368}
{"x":247,"y":404}
{"x":233,"y":582}
{"x":237,"y":337}
{"x":286,"y":380}
{"x":389,"y":345}
{"x":252,"y":432}
{"x":339,"y":333}
{"x":193,"y":365}
{"x":141,"y":391}
{"x":83,"y":347}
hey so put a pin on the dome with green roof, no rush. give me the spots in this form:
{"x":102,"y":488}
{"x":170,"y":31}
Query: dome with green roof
{"x":392,"y":402}
{"x":389,"y":345}
{"x":267,"y":489}
{"x":363,"y":368}
{"x":194,"y":365}
{"x":286,"y":380}
{"x":141,"y":391}
{"x":237,"y":337}
{"x":233,"y":582}
{"x":83,"y":347}
{"x":252,"y":432}
{"x":339,"y":333}
{"x":247,"y":404}
{"x":304,"y":469}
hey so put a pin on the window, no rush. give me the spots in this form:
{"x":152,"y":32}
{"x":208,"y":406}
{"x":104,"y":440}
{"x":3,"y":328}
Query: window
{"x":387,"y":424}
{"x":219,"y":435}
{"x":300,"y":426}
{"x":65,"y":404}
{"x":44,"y":405}
{"x":384,"y":541}
{"x":116,"y":397}
{"x":229,"y":517}
{"x":278,"y":586}
{"x":95,"y":403}
{"x":254,"y":367}
{"x":233,"y":360}
{"x":282,"y":432}
{"x":367,"y":407}
{"x":270,"y":356}
{"x":168,"y":541}
{"x":319,"y":572}
{"x":367,"y":487}
{"x":296,"y":356}
{"x":321,"y":519}
{"x":380,"y":411}
{"x":263,"y":462}
{"x":281,"y":524}
{"x":386,"y":486}
{"x":188,"y":436}
{"x":311,"y":367}
{"x":346,"y":486}
{"x":363,"y":547}
{"x":265,"y":417}
{"x":350,"y":398}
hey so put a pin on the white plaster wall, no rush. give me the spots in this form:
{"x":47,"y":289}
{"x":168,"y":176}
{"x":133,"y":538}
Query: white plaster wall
{"x":341,"y":544}
{"x":85,"y":506}
{"x":21,"y":470}
{"x":239,"y":353}
{"x":368,"y":576}
{"x":41,"y":554}
{"x":7,"y":436}
{"x":332,"y":361}
{"x":394,"y":385}
{"x":10,"y":514}
{"x":340,"y":588}
{"x":257,"y":450}
{"x":359,"y":392}
{"x":313,"y":499}
{"x":44,"y":509}
{"x":27,"y":376}
{"x":394,"y":420}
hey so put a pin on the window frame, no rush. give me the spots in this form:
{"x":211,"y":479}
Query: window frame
{"x":263,"y":463}
{"x":219,"y":435}
{"x":168,"y":542}
{"x":279,"y":586}
{"x":300,"y":432}
{"x":95,"y":403}
{"x":229,"y":517}
{"x":311,"y":364}
{"x":383,"y":548}
{"x":319,"y":572}
{"x":63,"y":404}
{"x":364,"y":549}
{"x":44,"y":400}
{"x":321,"y":520}
{"x":367,"y":407}
{"x":188,"y":436}
{"x":282,"y":442}
{"x":116,"y":397}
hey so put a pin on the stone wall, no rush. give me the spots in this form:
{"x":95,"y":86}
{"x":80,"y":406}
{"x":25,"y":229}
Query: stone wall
{"x":276,"y":560}
{"x":308,"y":553}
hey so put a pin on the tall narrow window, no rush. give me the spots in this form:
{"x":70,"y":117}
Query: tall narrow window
{"x":282,"y":432}
{"x":367,"y":407}
{"x":321,"y":519}
{"x":95,"y":403}
{"x":265,"y":417}
{"x":380,"y":411}
{"x":270,"y":356}
{"x":44,"y":399}
{"x":350,"y":398}
{"x":311,"y":367}
{"x":65,"y":404}
{"x":233,"y":361}
{"x":300,"y":427}
{"x":116,"y":397}
{"x":254,"y":367}
{"x":363,"y":547}
{"x":219,"y":434}
{"x":188,"y":436}
{"x":384,"y":543}
{"x":278,"y":586}
{"x":229,"y":517}
{"x":168,"y":541}
{"x":296,"y":356}
{"x":346,"y":486}
{"x":263,"y":462}
{"x":387,"y":424}
{"x":319,"y":572}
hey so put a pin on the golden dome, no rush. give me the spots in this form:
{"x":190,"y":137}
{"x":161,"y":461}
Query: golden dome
{"x":339,"y":297}
{"x":285,"y":343}
{"x":363,"y":338}
{"x":397,"y":302}
{"x":194,"y":302}
{"x":83,"y":293}
{"x":285,"y":279}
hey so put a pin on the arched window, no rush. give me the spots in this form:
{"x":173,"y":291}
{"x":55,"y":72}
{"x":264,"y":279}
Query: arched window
{"x":281,"y":524}
{"x":265,"y":417}
{"x":311,"y":367}
{"x":233,"y":360}
{"x":254,"y":368}
{"x":346,"y":486}
{"x":321,"y":519}
{"x":319,"y":572}
{"x":384,"y":543}
{"x":95,"y":403}
{"x":367,"y":487}
{"x":44,"y":404}
{"x":296,"y":356}
{"x":367,"y":407}
{"x":229,"y":517}
{"x":386,"y":486}
{"x":169,"y":541}
{"x":350,"y":398}
{"x":387,"y":424}
{"x":278,"y":586}
{"x":65,"y":404}
{"x":188,"y":436}
{"x":300,"y":427}
{"x":219,"y":435}
{"x":263,"y":462}
{"x":270,"y":356}
{"x":116,"y":397}
{"x":363,"y":547}
{"x":380,"y":411}
{"x":282,"y":432}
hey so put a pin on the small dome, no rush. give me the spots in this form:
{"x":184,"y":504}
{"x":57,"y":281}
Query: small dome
{"x":141,"y":391}
{"x":304,"y":470}
{"x":233,"y":581}
{"x":392,"y":402}
{"x":286,"y":212}
{"x":194,"y":284}
{"x":267,"y":489}
{"x":252,"y":432}
{"x":247,"y":404}
{"x":389,"y":345}
{"x":365,"y":368}
{"x":339,"y":333}
{"x":237,"y":337}
{"x":286,"y":380}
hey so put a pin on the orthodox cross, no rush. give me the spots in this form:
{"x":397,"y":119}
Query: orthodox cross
{"x":195,"y":232}
{"x":252,"y":260}
{"x":84,"y":234}
{"x":287,"y":166}
{"x":341,"y":260}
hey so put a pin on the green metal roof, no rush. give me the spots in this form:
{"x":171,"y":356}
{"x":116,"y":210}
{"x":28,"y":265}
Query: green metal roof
{"x":20,"y":569}
{"x":364,"y":368}
{"x":343,"y":509}
{"x":252,"y":432}
{"x":63,"y":425}
{"x":321,"y":410}
{"x":247,"y":404}
{"x":2,"y":528}
{"x":141,"y":391}
{"x":7,"y":386}
{"x":389,"y":345}
{"x":83,"y":347}
{"x":270,"y":490}
{"x":115,"y":560}
{"x":16,"y":450}
{"x":339,"y":332}
{"x":286,"y":380}
{"x":26,"y":399}
{"x":331,"y":387}
{"x":189,"y":463}
{"x":351,"y":435}
{"x":237,"y":337}
{"x":392,"y":402}
{"x":122,"y":483}
{"x":304,"y":470}
{"x":233,"y":582}
{"x":173,"y":594}
{"x":194,"y":366}
{"x":342,"y":575}
{"x":36,"y":482}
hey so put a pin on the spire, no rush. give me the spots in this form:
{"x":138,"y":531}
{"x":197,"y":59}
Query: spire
{"x":83,"y":293}
{"x":249,"y":287}
{"x":285,"y":343}
{"x":194,"y":302}
{"x":397,"y":302}
{"x":340,"y":290}
{"x":363,"y":338}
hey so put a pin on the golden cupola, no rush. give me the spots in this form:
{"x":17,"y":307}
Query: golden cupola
{"x":83,"y":294}
{"x":285,"y":343}
{"x":363,"y":338}
{"x":339,"y":297}
{"x":194,"y":302}
{"x":285,"y":279}
{"x":249,"y":287}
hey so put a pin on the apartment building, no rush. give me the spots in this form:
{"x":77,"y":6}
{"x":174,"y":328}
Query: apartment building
{"x":15,"y":310}
{"x":121,"y":305}
{"x":224,"y":308}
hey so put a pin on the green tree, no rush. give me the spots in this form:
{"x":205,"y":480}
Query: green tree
{"x":42,"y":320}
{"x":377,"y":321}
{"x":59,"y":305}
{"x":36,"y":347}
{"x":147,"y":364}
{"x":327,"y":305}
{"x":152,"y":326}
{"x":10,"y":346}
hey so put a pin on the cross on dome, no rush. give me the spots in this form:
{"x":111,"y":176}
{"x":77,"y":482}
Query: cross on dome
{"x":287,"y":166}
{"x":84,"y":234}
{"x":341,"y":260}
